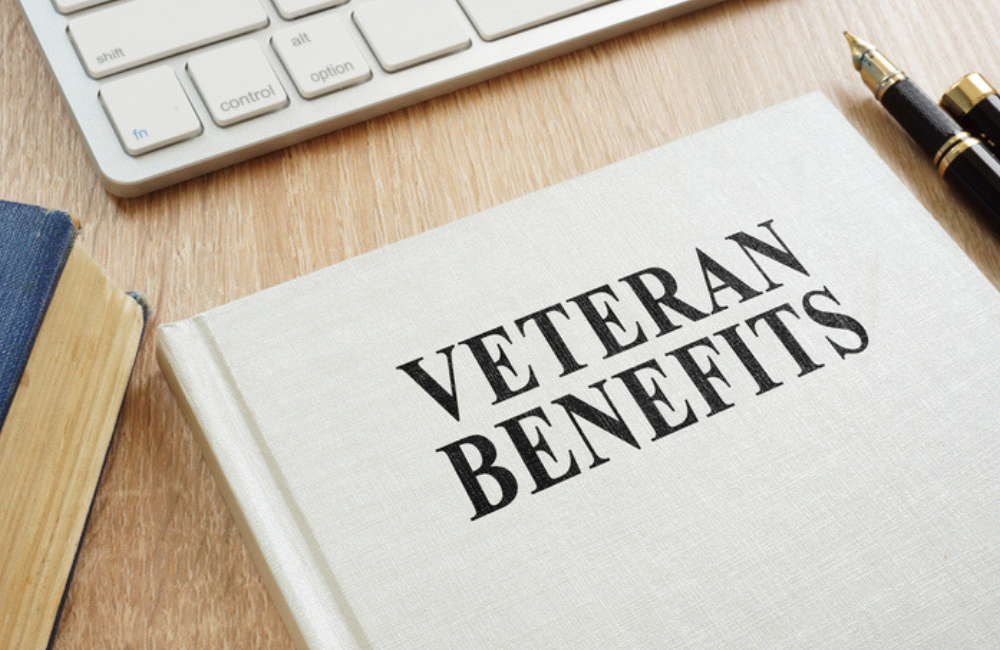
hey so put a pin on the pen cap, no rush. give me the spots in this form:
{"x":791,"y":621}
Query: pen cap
{"x":974,"y":103}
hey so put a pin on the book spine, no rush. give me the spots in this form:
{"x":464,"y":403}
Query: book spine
{"x":297,"y":579}
{"x":35,"y":244}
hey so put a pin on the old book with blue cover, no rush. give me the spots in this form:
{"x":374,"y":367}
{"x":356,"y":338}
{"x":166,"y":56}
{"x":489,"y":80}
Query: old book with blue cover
{"x":738,"y":391}
{"x":68,"y":340}
{"x":35,"y":244}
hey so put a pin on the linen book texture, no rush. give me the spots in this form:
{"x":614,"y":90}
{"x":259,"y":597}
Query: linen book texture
{"x":734,"y":391}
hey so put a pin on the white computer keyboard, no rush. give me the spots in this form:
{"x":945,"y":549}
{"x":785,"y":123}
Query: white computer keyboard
{"x":165,"y":90}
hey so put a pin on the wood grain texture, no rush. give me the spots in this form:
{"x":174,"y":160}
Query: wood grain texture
{"x":162,"y":565}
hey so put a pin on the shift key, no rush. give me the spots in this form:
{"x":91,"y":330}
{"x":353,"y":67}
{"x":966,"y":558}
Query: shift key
{"x":133,"y":33}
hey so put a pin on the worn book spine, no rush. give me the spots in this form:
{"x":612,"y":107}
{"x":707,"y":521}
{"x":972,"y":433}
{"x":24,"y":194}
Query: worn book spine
{"x":299,"y":582}
{"x":34,"y":246}
{"x":69,"y":340}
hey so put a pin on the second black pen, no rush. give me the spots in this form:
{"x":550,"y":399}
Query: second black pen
{"x":960,"y":158}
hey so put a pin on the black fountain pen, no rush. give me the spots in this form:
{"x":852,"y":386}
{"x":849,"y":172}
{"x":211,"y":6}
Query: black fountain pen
{"x":960,"y":158}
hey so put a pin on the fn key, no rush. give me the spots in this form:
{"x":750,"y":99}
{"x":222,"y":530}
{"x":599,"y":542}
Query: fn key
{"x":149,"y":110}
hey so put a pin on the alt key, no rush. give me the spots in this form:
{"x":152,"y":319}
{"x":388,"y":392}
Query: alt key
{"x":321,"y":56}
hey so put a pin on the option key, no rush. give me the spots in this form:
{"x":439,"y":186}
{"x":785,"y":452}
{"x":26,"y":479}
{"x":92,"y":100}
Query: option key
{"x":321,"y":56}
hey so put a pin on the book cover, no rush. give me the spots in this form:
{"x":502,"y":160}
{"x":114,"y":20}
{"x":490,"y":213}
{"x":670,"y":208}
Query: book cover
{"x":35,"y":243}
{"x":732,"y":392}
{"x":68,"y":339}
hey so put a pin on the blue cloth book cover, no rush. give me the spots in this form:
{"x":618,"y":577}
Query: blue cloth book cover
{"x":68,"y":342}
{"x":34,"y":245}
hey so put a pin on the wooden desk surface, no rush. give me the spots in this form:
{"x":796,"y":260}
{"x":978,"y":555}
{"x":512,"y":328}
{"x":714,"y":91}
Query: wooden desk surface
{"x":162,"y":565}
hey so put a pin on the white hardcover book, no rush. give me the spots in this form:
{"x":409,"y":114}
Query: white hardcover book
{"x":738,"y":391}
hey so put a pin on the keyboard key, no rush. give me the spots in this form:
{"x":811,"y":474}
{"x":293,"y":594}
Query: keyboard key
{"x":132,"y":33}
{"x":404,"y":33}
{"x":69,"y":6}
{"x":321,"y":56}
{"x":150,"y":110}
{"x":294,"y":8}
{"x":237,"y":83}
{"x":498,"y":18}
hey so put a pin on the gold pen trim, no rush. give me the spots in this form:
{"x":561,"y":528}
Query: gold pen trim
{"x":888,"y":83}
{"x":947,"y":146}
{"x":965,"y":94}
{"x":952,"y":149}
